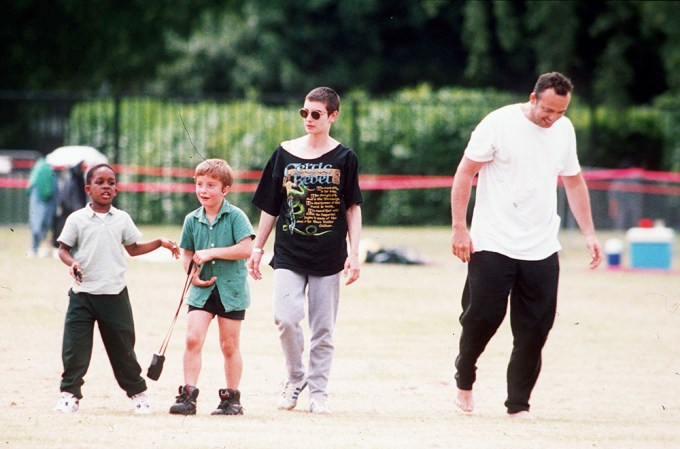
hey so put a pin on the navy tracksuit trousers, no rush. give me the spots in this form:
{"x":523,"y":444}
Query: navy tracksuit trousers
{"x":531,"y":287}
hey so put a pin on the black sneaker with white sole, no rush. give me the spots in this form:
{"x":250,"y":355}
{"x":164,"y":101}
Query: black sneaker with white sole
{"x":230,"y":403}
{"x":185,"y":402}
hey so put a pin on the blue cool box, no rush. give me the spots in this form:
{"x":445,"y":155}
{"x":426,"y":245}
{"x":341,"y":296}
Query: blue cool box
{"x":651,"y":247}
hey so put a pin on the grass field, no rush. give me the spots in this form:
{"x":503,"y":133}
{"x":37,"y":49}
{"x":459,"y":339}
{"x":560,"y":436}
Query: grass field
{"x":610,"y":379}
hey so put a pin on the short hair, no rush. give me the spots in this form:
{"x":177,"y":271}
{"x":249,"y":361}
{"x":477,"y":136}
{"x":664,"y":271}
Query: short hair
{"x":90,"y":172}
{"x":327,"y":96}
{"x":216,"y":168}
{"x":553,"y":80}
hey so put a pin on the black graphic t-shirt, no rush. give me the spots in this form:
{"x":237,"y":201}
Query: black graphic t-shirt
{"x":310,"y":197}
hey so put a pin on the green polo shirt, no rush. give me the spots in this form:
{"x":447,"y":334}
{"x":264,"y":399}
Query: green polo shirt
{"x":230,"y":227}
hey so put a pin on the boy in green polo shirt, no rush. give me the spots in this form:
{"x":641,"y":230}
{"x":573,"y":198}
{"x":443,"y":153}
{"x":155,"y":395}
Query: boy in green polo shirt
{"x":218,"y":238}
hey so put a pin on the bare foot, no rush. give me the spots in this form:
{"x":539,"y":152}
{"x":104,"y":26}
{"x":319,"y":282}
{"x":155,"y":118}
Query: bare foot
{"x":464,"y":400}
{"x":523,"y":415}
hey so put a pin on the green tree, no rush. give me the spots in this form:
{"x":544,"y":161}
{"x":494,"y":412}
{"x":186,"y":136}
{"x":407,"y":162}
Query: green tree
{"x":660,"y":22}
{"x":617,"y":52}
{"x":288,"y":46}
{"x":608,"y":48}
{"x":76,"y":44}
{"x":477,"y":39}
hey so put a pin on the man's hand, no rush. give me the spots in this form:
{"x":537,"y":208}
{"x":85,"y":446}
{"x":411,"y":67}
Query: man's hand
{"x":596,"y":253}
{"x":461,"y":244}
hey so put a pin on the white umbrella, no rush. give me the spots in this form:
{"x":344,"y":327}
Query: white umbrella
{"x":71,"y":155}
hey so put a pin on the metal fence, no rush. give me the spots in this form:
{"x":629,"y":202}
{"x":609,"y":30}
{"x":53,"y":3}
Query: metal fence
{"x":391,"y":138}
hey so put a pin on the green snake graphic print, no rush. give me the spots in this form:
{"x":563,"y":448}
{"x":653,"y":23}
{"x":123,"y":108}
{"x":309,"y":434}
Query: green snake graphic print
{"x":311,"y":196}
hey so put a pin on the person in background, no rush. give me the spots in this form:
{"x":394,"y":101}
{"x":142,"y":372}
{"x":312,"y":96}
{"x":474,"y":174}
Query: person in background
{"x":71,"y":197}
{"x":626,"y":198}
{"x":512,"y":247}
{"x":42,"y":191}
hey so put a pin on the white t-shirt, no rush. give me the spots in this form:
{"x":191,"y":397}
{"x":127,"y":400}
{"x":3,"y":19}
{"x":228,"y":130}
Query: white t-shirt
{"x":515,"y":211}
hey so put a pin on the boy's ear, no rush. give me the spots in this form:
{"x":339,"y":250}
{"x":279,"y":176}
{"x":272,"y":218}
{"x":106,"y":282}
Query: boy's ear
{"x":225,"y":190}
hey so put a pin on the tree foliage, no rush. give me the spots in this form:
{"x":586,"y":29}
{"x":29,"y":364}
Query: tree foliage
{"x":617,"y":52}
{"x":94,"y":44}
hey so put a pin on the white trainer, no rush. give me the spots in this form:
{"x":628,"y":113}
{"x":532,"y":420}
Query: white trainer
{"x":140,"y":402}
{"x":320,"y":406}
{"x":290,"y":394}
{"x":68,"y":403}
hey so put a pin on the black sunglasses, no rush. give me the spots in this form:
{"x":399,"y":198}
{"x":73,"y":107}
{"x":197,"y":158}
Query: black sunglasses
{"x":316,"y":115}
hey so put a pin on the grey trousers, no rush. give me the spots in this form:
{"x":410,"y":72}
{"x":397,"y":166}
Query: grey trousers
{"x":291,"y":289}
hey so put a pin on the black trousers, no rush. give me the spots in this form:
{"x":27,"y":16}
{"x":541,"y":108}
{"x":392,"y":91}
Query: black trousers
{"x":113,"y":315}
{"x":532,"y":289}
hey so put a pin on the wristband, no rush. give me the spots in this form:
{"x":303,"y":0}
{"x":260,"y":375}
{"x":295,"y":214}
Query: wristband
{"x":258,"y":250}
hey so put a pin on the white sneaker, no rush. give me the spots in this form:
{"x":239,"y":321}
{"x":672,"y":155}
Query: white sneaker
{"x":67,"y":403}
{"x":320,"y":406}
{"x":290,"y":393}
{"x":140,"y":402}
